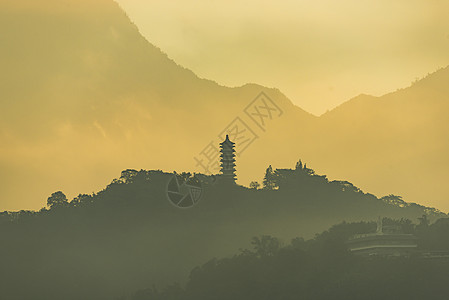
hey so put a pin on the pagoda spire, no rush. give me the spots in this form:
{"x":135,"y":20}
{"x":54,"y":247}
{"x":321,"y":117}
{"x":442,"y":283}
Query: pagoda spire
{"x":227,"y":160}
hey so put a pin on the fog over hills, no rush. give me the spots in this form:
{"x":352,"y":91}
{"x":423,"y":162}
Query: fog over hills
{"x":128,"y":236}
{"x":85,"y":96}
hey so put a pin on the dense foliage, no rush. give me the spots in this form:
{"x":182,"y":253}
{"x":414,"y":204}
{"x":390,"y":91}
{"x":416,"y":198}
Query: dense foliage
{"x":320,"y":268}
{"x":116,"y":241}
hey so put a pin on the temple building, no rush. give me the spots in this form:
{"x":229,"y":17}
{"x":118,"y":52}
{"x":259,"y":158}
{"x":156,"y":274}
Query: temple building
{"x":386,"y":241}
{"x":227,"y":161}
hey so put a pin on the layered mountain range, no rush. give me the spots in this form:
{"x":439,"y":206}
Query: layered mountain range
{"x":84,"y":95}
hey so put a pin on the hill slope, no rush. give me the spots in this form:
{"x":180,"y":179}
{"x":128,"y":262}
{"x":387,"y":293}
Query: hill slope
{"x":128,"y":235}
{"x":398,"y":140}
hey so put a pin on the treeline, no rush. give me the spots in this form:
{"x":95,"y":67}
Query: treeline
{"x":319,"y":268}
{"x":301,"y":181}
{"x":306,"y":181}
{"x":98,"y":246}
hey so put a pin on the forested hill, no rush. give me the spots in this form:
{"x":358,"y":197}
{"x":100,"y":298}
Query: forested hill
{"x":319,"y":269}
{"x":119,"y":239}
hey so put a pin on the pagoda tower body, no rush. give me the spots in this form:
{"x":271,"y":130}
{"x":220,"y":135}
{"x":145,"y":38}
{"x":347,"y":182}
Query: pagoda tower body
{"x":227,"y":160}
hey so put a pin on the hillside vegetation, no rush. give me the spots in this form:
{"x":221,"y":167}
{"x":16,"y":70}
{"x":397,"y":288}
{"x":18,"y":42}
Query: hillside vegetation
{"x":129,"y":235}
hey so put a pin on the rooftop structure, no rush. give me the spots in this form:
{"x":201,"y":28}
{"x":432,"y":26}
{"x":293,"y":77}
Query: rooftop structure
{"x":386,"y":241}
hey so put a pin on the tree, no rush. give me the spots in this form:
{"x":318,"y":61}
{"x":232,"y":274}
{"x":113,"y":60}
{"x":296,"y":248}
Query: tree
{"x":254,"y":185}
{"x":81,"y":199}
{"x":394,"y":200}
{"x":299,"y":243}
{"x":57,"y":199}
{"x":128,"y":175}
{"x":268,"y":180}
{"x":265,"y":245}
{"x":299,"y":165}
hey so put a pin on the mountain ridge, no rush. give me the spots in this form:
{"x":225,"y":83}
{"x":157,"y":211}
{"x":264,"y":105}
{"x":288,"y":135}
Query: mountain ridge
{"x":86,"y":95}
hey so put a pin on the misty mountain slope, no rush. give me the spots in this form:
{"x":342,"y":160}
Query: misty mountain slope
{"x":398,"y":140}
{"x":92,"y":60}
{"x":84,"y":95}
{"x":396,"y":143}
{"x":129,"y":234}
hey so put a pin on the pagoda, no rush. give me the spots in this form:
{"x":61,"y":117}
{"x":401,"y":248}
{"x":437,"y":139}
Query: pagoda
{"x":227,"y":160}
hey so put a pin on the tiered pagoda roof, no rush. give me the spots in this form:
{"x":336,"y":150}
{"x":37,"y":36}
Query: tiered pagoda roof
{"x":227,"y":160}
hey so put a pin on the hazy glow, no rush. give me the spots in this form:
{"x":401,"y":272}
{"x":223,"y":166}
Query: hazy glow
{"x":85,"y":96}
{"x":319,"y":53}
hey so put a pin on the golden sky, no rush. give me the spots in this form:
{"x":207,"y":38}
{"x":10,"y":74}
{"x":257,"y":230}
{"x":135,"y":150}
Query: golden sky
{"x":319,"y":53}
{"x":95,"y":91}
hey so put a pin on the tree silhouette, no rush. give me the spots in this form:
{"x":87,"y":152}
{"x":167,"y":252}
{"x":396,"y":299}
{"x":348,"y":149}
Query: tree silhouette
{"x":128,"y":175}
{"x":57,"y":199}
{"x":265,"y":245}
{"x":269,"y":179}
{"x":81,"y":199}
